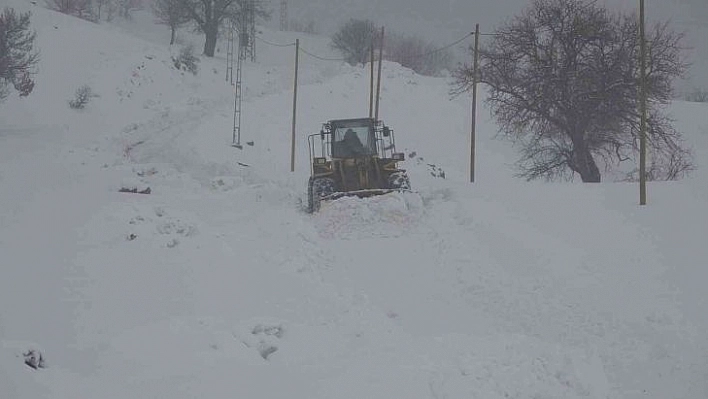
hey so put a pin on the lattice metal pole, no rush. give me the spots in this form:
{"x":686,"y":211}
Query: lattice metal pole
{"x":247,"y":28}
{"x":230,"y":53}
{"x":284,"y":15}
{"x":252,"y":29}
{"x":238,"y":96}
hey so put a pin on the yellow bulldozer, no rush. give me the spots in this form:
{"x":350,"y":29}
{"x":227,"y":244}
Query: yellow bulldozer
{"x":353,"y":157}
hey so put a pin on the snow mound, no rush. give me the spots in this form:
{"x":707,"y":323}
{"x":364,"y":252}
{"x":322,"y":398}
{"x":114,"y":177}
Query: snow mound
{"x":388,"y":215}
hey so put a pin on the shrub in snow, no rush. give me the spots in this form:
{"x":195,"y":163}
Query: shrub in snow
{"x":81,"y":98}
{"x":417,"y":54}
{"x":354,"y":40}
{"x":186,"y":60}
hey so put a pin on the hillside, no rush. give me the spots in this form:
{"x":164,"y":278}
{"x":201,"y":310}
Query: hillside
{"x":217,"y":284}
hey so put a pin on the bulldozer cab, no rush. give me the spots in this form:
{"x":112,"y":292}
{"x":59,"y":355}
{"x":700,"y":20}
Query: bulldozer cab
{"x":353,"y":140}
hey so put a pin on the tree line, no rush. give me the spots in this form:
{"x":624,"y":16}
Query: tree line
{"x":356,"y":37}
{"x":207,"y":16}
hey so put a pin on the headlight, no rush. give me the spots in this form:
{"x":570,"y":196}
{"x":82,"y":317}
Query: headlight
{"x":320,"y":161}
{"x":398,"y":156}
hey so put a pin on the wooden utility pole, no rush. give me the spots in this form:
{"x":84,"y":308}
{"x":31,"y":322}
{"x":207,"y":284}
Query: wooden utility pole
{"x":371,"y":81}
{"x":642,"y":109}
{"x":292,"y":142}
{"x":475,"y":73}
{"x":378,"y":80}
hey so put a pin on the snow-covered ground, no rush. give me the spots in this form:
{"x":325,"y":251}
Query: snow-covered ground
{"x":218,"y":285}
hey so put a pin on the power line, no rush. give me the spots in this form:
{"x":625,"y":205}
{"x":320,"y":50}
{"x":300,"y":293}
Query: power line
{"x":274,"y":44}
{"x":321,"y":58}
{"x":458,"y":41}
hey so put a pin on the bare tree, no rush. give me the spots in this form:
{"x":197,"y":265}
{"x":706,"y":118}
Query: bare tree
{"x":563,"y":82}
{"x":17,"y":57}
{"x":208,"y":15}
{"x":171,"y":13}
{"x":354,"y":40}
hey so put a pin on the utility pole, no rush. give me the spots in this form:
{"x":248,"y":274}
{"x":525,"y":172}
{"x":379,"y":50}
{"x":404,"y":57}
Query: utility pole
{"x":371,"y":81}
{"x":475,"y":72}
{"x":642,"y":109}
{"x":378,"y":80}
{"x":238,"y":84}
{"x":292,"y":141}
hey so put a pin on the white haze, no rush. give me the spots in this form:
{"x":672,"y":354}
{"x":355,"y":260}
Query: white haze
{"x":218,"y":285}
{"x":444,"y":21}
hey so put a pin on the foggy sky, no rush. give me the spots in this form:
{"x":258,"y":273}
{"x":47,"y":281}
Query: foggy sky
{"x":443,"y":21}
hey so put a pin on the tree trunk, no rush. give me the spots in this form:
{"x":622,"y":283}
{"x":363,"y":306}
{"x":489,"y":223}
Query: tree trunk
{"x":210,"y":43}
{"x":584,"y":164}
{"x":172,"y":37}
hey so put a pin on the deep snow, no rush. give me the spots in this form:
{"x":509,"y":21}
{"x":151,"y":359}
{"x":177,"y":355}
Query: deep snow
{"x":218,"y":284}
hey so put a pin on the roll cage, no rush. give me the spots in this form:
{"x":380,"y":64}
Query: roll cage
{"x":376,"y":138}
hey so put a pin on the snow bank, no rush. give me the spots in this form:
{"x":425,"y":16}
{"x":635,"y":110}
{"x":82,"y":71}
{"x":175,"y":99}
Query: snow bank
{"x":389,"y":215}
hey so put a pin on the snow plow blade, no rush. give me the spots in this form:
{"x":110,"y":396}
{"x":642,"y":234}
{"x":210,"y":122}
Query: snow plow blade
{"x":362,"y":193}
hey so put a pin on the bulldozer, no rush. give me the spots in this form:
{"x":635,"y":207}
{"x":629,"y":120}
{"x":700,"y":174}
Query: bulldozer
{"x":353,"y":157}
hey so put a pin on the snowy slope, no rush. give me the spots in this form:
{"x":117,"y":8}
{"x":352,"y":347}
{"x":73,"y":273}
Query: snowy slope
{"x":217,"y":284}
